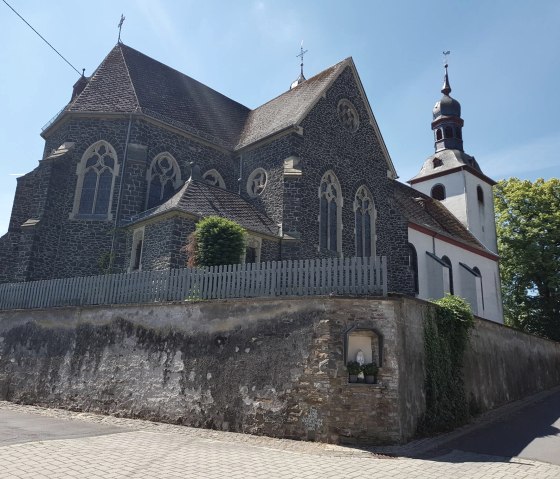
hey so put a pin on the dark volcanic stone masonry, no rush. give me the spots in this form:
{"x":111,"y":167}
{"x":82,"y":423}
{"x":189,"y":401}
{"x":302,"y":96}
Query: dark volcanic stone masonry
{"x":56,"y":244}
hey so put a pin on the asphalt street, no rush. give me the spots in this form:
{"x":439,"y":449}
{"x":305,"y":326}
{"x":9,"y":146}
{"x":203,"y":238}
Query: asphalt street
{"x":532,"y":432}
{"x":38,"y":443}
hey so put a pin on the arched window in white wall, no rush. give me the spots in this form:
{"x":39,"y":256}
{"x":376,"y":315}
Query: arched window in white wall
{"x":164,"y":177}
{"x":212,"y":177}
{"x":438,"y":191}
{"x":447,"y":262}
{"x":330,"y":213}
{"x":364,"y":214}
{"x":96,"y":178}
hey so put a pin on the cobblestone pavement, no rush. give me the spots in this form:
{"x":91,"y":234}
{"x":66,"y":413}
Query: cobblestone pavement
{"x":153,"y":450}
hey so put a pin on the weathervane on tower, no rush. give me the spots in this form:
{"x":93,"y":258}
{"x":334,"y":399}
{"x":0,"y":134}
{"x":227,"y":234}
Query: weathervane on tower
{"x":445,"y":59}
{"x":120,"y":27}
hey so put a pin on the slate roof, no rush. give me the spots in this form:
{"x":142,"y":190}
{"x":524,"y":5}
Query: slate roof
{"x":201,"y":199}
{"x":289,"y":108}
{"x":450,"y":160}
{"x":129,"y":81}
{"x":422,"y":210}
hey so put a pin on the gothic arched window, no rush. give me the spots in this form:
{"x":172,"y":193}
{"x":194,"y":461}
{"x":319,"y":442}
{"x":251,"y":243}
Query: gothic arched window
{"x":439,"y":134}
{"x":448,"y":132}
{"x":364,"y":214}
{"x":164,"y":177}
{"x":96,"y":177}
{"x":330,"y":213}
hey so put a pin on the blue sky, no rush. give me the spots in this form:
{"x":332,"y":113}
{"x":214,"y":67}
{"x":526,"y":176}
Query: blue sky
{"x":504,"y":67}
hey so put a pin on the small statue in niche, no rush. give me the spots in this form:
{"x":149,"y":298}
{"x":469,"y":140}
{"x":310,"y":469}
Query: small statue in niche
{"x":360,"y":359}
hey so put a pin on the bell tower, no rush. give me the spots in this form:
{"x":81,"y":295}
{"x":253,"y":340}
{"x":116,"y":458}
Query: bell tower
{"x":453,"y":177}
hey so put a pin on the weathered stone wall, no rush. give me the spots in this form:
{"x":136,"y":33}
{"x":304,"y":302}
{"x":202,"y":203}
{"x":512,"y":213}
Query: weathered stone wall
{"x":261,"y":366}
{"x":503,"y":365}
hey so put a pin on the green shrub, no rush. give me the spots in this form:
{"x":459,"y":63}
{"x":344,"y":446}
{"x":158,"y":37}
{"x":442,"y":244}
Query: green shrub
{"x":218,"y":241}
{"x":354,"y":368}
{"x":370,"y":369}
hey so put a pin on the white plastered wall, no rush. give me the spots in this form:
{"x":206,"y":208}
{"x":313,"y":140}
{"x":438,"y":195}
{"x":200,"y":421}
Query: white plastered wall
{"x":489,"y":288}
{"x":481,"y":221}
{"x":454,"y":190}
{"x":462,"y":200}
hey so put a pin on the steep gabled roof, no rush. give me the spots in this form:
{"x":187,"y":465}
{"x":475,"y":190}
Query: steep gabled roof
{"x":199,"y":199}
{"x":429,"y":213}
{"x":289,"y":108}
{"x":129,"y":81}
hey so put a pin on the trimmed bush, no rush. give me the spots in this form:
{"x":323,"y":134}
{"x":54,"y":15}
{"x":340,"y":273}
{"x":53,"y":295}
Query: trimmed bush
{"x":217,"y":241}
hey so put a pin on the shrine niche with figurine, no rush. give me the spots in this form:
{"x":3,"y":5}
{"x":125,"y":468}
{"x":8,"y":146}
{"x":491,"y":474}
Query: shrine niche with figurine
{"x":363,"y":355}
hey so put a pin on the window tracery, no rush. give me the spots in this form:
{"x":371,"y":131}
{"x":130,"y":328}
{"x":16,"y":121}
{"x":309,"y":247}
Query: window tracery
{"x":96,"y":176}
{"x":164,"y":177}
{"x":330,"y":213}
{"x":256,"y":183}
{"x":348,"y":115}
{"x":212,"y":177}
{"x":364,"y":214}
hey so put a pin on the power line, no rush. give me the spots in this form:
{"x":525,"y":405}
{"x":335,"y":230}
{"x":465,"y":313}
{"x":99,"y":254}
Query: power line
{"x":43,"y":38}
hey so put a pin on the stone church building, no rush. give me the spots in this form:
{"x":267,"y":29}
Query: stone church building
{"x":142,"y":152}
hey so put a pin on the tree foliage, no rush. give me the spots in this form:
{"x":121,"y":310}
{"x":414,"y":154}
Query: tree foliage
{"x":216,"y":241}
{"x":528,"y":227}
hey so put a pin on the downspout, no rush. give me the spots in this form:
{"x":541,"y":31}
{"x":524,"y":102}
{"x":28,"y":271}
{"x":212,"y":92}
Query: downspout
{"x":111,"y":256}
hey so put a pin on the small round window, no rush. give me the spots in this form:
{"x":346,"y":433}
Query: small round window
{"x":348,"y":115}
{"x":256,"y":183}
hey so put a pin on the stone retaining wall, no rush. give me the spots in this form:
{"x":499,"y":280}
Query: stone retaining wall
{"x":262,"y":366}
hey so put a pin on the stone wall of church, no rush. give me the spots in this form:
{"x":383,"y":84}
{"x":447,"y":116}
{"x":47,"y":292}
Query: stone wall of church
{"x":263,"y":366}
{"x":270,"y":157}
{"x":357,"y":159}
{"x":61,"y":246}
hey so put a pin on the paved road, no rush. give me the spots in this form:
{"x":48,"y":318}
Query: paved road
{"x":532,"y":432}
{"x":38,"y":443}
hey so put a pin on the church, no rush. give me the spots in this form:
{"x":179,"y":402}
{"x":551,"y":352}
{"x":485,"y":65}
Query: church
{"x":142,"y":152}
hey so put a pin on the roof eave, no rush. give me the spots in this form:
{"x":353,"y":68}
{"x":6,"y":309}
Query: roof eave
{"x":478,"y":174}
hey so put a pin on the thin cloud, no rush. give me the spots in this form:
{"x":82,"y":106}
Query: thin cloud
{"x":521,"y":160}
{"x":16,"y":174}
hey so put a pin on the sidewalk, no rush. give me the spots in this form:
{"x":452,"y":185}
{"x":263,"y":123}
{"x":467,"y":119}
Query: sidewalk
{"x":142,"y":449}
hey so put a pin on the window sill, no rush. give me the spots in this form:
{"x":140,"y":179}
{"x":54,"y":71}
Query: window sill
{"x":82,"y":217}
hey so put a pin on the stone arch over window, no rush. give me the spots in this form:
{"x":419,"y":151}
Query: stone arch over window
{"x":439,"y":134}
{"x":438,"y":192}
{"x":164,"y":177}
{"x":96,"y":173}
{"x":447,"y":262}
{"x":368,"y":340}
{"x":330,"y":213}
{"x":413,"y":265}
{"x":212,"y":177}
{"x":364,"y":216}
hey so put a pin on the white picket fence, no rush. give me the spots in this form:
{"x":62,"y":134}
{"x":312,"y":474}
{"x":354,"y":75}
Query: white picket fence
{"x":352,"y":276}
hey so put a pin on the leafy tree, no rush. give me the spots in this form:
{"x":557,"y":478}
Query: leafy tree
{"x":528,"y":226}
{"x":216,"y":241}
